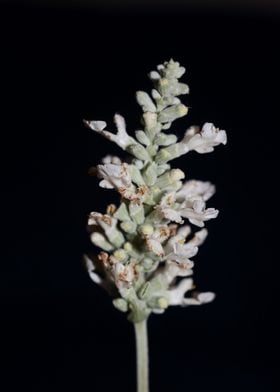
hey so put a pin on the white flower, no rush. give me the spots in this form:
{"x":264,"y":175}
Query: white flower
{"x":155,"y":240}
{"x":182,"y":233}
{"x":155,"y":246}
{"x":193,"y":189}
{"x":198,"y":238}
{"x":176,"y":296}
{"x":122,"y":138}
{"x":181,"y":252}
{"x":172,"y":269}
{"x":106,"y":222}
{"x":165,"y":208}
{"x":197,"y":215}
{"x":114,"y":175}
{"x":193,"y":210}
{"x":171,"y":214}
{"x":205,"y":140}
{"x":123,"y":275}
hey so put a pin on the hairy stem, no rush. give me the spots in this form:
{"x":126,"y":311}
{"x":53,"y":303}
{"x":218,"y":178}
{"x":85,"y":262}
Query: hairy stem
{"x":142,"y":356}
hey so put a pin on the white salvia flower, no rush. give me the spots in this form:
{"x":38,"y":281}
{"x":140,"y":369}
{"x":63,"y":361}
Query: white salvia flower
{"x":155,"y":239}
{"x":109,"y":225}
{"x":182,"y":233}
{"x":199,"y":237}
{"x":171,"y":214}
{"x":196,"y":212}
{"x":204,"y":141}
{"x":165,"y":208}
{"x":193,"y":189}
{"x":123,"y":275}
{"x":155,"y":246}
{"x":104,"y":220}
{"x":181,"y":252}
{"x":172,"y":270}
{"x":176,"y":296}
{"x":197,"y":215}
{"x":114,"y":175}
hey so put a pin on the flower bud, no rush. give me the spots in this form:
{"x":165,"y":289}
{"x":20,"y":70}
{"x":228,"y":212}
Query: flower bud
{"x":152,"y":150}
{"x":121,"y":304}
{"x":165,"y":140}
{"x":120,"y":254}
{"x":142,"y":137}
{"x":136,"y":175}
{"x":169,"y":178}
{"x":145,"y":101}
{"x":150,"y":173}
{"x":132,"y":252}
{"x":128,"y":226}
{"x":122,"y":213}
{"x":137,"y":213}
{"x":172,"y":113}
{"x":138,"y":151}
{"x":116,"y":238}
{"x":158,"y":303}
{"x":150,"y":120}
{"x":98,"y":239}
{"x":146,"y":230}
{"x":162,"y":168}
{"x":171,"y":152}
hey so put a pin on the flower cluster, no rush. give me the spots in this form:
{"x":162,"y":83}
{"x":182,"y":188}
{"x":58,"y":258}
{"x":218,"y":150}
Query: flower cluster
{"x":145,"y":261}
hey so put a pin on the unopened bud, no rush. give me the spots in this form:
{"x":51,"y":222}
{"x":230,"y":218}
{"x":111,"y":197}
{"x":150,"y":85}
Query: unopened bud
{"x":145,"y":101}
{"x":120,"y":254}
{"x":128,"y":226}
{"x":138,"y":151}
{"x":121,"y":304}
{"x":99,"y":240}
{"x":172,"y":113}
{"x":150,"y":173}
{"x":146,"y":230}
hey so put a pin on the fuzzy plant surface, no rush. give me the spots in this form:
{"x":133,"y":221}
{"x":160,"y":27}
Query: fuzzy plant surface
{"x":148,"y":241}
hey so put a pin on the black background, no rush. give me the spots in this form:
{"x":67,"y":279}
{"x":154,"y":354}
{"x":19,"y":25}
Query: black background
{"x":60,"y":65}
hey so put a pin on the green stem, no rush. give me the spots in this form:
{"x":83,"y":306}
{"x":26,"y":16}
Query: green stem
{"x":142,"y":356}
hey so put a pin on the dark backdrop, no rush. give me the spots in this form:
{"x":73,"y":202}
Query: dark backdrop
{"x":60,"y":65}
